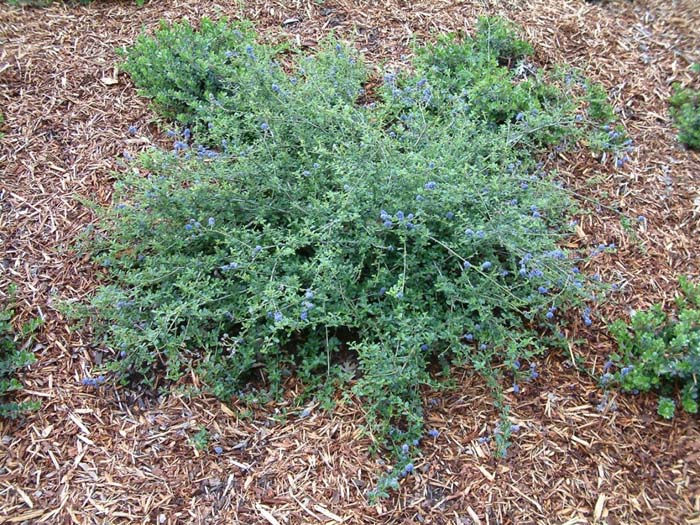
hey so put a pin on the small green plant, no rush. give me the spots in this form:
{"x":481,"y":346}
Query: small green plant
{"x":685,"y":110}
{"x":200,"y":439}
{"x":14,"y":357}
{"x":660,"y":351}
{"x":300,"y":224}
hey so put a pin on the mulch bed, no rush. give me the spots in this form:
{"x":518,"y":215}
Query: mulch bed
{"x":107,"y":455}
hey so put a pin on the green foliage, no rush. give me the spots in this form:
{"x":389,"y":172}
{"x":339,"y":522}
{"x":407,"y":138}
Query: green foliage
{"x":661,"y":352}
{"x":317,"y":229}
{"x":685,"y":110}
{"x":13,"y":357}
{"x":181,"y":68}
{"x":200,"y":439}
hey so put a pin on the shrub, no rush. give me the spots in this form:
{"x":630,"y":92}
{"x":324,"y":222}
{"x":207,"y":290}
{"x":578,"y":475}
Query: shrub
{"x":301,"y":224}
{"x":685,"y":110}
{"x":13,"y":357}
{"x":661,"y":352}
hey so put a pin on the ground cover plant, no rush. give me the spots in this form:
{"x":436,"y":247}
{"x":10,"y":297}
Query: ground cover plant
{"x":13,"y":357}
{"x":660,"y":351}
{"x":300,"y":223}
{"x":685,"y":110}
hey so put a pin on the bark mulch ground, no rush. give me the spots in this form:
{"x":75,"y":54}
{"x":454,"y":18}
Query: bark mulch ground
{"x":108,"y":455}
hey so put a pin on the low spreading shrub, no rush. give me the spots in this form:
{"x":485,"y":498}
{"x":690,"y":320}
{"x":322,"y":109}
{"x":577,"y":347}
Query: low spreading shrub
{"x":660,"y":351}
{"x":13,"y":357}
{"x":301,"y":224}
{"x":685,"y":110}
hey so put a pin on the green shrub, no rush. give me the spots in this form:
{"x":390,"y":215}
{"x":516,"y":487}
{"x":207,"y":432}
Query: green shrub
{"x":685,"y":110}
{"x":13,"y":357}
{"x":660,"y":351}
{"x":312,"y":230}
{"x":182,"y":68}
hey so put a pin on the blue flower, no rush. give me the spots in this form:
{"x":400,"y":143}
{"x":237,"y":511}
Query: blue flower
{"x":211,"y":221}
{"x":543,"y":290}
{"x":433,"y":432}
{"x":388,"y":223}
{"x":467,"y":265}
{"x":382,"y":291}
{"x":304,"y":315}
{"x":188,"y":226}
{"x":408,"y":468}
{"x":424,"y":347}
{"x":97,"y":381}
{"x":399,"y":215}
{"x":516,"y":388}
{"x":486,"y":265}
{"x":449,"y":215}
{"x":550,"y":315}
{"x":469,"y":232}
{"x":405,"y":448}
{"x":187,"y":134}
{"x":430,"y":185}
{"x":419,"y":198}
{"x":533,"y":371}
{"x":133,"y":130}
{"x":218,"y":450}
{"x":264,"y":126}
{"x":257,"y":249}
{"x":179,"y":145}
{"x":278,"y":317}
{"x":520,"y":116}
{"x":276,"y":89}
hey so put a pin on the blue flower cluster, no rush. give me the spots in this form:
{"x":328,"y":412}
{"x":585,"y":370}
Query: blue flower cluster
{"x":97,"y":381}
{"x":399,"y":216}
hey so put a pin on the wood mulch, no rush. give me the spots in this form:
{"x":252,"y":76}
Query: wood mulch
{"x":105,"y":455}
